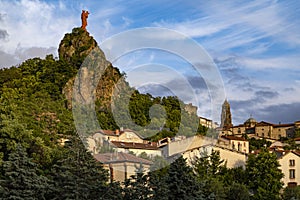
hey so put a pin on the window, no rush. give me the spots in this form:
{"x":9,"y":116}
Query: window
{"x":239,"y":147}
{"x":292,"y":173}
{"x":292,"y":162}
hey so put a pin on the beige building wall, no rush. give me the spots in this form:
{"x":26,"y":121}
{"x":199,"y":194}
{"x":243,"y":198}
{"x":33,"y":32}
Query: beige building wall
{"x":121,"y":171}
{"x":238,"y":130}
{"x":129,"y":137}
{"x":190,"y":155}
{"x":149,"y":152}
{"x":287,"y":165}
{"x":241,"y":146}
{"x":206,"y":122}
{"x":233,"y":158}
{"x":184,"y":145}
{"x":97,"y":139}
{"x":283,"y":131}
{"x":264,"y":131}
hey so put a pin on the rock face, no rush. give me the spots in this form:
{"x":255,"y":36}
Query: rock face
{"x":80,"y":50}
{"x":75,"y":46}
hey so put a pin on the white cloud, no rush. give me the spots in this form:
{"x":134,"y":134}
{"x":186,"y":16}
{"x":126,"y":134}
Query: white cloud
{"x":33,"y":23}
{"x":232,"y":24}
{"x":288,"y":62}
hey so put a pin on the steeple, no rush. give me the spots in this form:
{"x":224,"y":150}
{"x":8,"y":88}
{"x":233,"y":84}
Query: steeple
{"x":226,"y":122}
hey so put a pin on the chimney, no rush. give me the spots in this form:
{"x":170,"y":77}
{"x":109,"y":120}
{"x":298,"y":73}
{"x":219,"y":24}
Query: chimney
{"x":122,"y":129}
{"x":117,"y":132}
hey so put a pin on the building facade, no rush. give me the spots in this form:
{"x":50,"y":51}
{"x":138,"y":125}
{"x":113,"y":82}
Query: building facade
{"x":290,"y":166}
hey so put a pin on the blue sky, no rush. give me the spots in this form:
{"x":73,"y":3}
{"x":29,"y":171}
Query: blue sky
{"x":254,"y":44}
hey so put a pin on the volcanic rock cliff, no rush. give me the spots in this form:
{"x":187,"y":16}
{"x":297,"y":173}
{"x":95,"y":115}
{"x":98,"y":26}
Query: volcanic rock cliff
{"x":74,"y":48}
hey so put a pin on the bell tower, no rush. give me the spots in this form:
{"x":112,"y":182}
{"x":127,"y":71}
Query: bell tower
{"x":226,"y":121}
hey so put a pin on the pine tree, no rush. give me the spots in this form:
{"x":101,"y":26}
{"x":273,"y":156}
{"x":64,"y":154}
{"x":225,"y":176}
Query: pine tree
{"x":181,"y":181}
{"x":21,"y":178}
{"x":137,"y":187}
{"x":264,"y":176}
{"x":158,"y":184}
{"x":78,"y":175}
{"x":210,"y":170}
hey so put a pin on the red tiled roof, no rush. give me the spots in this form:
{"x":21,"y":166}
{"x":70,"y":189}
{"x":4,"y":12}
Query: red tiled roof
{"x":297,"y":152}
{"x":133,"y":145}
{"x":120,"y":157}
{"x":232,"y":137}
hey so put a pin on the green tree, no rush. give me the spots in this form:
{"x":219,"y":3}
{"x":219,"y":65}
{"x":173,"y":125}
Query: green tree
{"x":158,"y":184}
{"x":255,"y":144}
{"x":77,"y":175}
{"x":136,"y":187}
{"x":238,"y":191}
{"x":264,"y":176}
{"x":209,"y":170}
{"x":291,"y":193}
{"x":21,"y":178}
{"x":181,"y":181}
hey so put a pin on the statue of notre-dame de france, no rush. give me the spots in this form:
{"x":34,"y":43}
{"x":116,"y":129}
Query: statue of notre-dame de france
{"x":84,"y":16}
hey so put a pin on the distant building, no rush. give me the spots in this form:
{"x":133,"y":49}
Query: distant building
{"x":235,"y":143}
{"x":207,"y":123}
{"x":191,"y":109}
{"x":263,"y":129}
{"x":122,"y":165}
{"x":226,"y":122}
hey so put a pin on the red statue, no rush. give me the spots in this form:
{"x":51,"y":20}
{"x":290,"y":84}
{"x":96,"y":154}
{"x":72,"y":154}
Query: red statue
{"x":84,"y":16}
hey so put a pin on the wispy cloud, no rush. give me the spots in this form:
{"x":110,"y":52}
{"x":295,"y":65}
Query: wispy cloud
{"x":230,"y":24}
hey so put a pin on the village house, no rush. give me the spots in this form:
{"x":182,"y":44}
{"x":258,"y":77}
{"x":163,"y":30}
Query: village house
{"x":197,"y":146}
{"x":150,"y":148}
{"x":98,"y":139}
{"x":290,"y":166}
{"x":122,"y":165}
{"x":235,"y":143}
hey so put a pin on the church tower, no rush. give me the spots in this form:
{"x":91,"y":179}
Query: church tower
{"x":226,"y":122}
